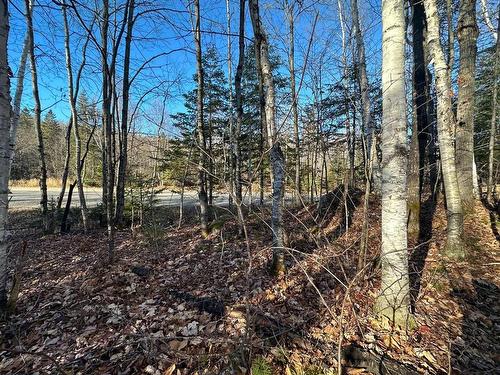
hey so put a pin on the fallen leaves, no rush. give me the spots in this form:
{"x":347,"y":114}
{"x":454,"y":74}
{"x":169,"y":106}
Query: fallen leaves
{"x":113,"y":320}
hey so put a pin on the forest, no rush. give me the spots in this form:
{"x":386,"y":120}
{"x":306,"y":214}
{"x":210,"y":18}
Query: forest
{"x":297,"y":187}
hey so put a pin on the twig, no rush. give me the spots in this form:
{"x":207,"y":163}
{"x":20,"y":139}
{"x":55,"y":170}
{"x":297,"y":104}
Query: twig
{"x":46,"y":356}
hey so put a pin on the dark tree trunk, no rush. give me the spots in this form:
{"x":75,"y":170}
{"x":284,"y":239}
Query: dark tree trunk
{"x":276,"y":156}
{"x":239,"y":106}
{"x":123,"y":157}
{"x":420,"y":122}
{"x":38,"y":121}
{"x":65,"y":227}
{"x":467,"y":38}
{"x":202,"y":146}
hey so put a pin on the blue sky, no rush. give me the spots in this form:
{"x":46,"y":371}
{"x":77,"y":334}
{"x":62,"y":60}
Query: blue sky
{"x":169,"y":32}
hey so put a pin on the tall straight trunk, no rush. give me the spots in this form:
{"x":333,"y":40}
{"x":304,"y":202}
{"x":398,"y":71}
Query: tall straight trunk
{"x":491,"y":148}
{"x":239,"y":104}
{"x":5,"y":125}
{"x":393,"y":304}
{"x":8,"y":131}
{"x":276,"y":156}
{"x":123,"y":157}
{"x":352,"y":150}
{"x":370,"y":156}
{"x":413,"y":182}
{"x":295,"y":99}
{"x":451,"y":35}
{"x":445,"y":129}
{"x":65,"y":173}
{"x":432,"y":151}
{"x":467,"y":39}
{"x":232,"y":130}
{"x":347,"y":173}
{"x":107,"y":125}
{"x":262,"y":111}
{"x":210,"y":155}
{"x":420,"y":122}
{"x":74,"y":115}
{"x":183,"y":185}
{"x":202,"y":145}
{"x":16,"y":107}
{"x":38,"y":121}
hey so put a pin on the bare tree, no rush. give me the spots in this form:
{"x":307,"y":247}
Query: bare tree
{"x":37,"y":115}
{"x":202,"y":145}
{"x":107,"y":127}
{"x":420,"y":119}
{"x":445,"y":128}
{"x":16,"y":110}
{"x":72,"y":97}
{"x":467,"y":38}
{"x":232,"y":130}
{"x":122,"y":166}
{"x":493,"y":127}
{"x":239,"y":104}
{"x":5,"y":122}
{"x":367,"y":125}
{"x":393,"y":303}
{"x":290,"y":15}
{"x":276,"y":156}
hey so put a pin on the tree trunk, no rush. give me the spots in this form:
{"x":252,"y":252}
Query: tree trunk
{"x":432,"y":151}
{"x":445,"y":128}
{"x":5,"y":125}
{"x":393,"y":304}
{"x":74,"y":115}
{"x":262,"y":111}
{"x":451,"y":35}
{"x":295,"y":99}
{"x":64,"y":177}
{"x":420,"y":124}
{"x":123,"y":158}
{"x":16,"y":110}
{"x":277,"y":158}
{"x":108,"y":160}
{"x":467,"y":37}
{"x":38,"y":121}
{"x":367,"y":125}
{"x":202,"y":145}
{"x":232,"y":130}
{"x":491,"y":156}
{"x":239,"y":104}
{"x":64,"y":222}
{"x":414,"y":183}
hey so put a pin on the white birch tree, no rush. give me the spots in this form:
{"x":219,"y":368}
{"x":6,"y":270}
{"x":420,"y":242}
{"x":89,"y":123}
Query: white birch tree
{"x":446,"y":129}
{"x":393,"y":304}
{"x":5,"y":116}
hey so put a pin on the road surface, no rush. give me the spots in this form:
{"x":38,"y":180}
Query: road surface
{"x":25,"y":198}
{"x":29,"y":198}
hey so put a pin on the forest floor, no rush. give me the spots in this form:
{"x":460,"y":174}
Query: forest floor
{"x":174,"y":302}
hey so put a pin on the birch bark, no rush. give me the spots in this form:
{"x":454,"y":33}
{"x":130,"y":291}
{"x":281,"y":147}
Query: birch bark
{"x":445,"y":129}
{"x":393,"y":303}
